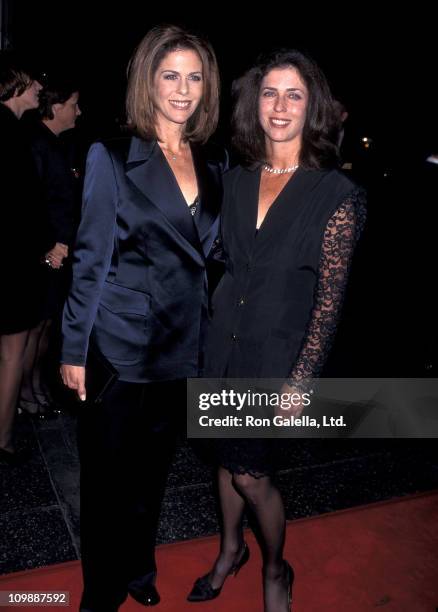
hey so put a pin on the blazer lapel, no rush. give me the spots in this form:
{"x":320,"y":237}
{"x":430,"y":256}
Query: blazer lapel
{"x":210,"y":197}
{"x":148,"y":169}
{"x":245,"y":208}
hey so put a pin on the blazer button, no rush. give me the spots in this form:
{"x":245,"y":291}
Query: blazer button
{"x":233,"y":337}
{"x":241,"y":302}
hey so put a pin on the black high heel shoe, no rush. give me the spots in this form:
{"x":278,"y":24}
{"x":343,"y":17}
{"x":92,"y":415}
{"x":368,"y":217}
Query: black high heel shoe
{"x":32,"y":408}
{"x":39,"y":408}
{"x":48,"y":404}
{"x":202,"y":589}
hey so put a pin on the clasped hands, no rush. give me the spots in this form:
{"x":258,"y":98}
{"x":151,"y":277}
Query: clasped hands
{"x":56,"y":255}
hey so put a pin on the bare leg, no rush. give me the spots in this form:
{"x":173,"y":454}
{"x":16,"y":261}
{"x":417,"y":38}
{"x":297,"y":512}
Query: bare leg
{"x":232,"y":507}
{"x":12,"y":348}
{"x":265,"y":502}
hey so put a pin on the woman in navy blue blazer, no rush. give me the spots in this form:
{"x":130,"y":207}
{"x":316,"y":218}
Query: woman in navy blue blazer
{"x":139,"y":295}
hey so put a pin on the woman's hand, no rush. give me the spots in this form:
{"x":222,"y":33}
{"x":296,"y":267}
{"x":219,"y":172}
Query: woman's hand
{"x":295,"y":407}
{"x":55,"y":256}
{"x":74,"y":378}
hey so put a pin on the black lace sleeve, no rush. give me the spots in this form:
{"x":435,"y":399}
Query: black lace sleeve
{"x":340,"y":237}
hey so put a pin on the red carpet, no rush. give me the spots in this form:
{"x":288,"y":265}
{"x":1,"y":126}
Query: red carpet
{"x":379,"y":557}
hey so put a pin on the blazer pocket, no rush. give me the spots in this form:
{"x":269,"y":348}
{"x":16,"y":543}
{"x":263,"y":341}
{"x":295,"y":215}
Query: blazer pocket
{"x":123,"y":300}
{"x":122,"y":324}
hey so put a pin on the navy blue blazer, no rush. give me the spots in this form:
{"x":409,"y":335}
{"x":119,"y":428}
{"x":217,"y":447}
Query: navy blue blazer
{"x":139,"y":288}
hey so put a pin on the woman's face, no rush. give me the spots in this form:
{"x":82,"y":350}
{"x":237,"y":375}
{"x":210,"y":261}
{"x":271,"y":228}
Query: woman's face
{"x":178,"y":86}
{"x":283,"y":104}
{"x":30,"y":97}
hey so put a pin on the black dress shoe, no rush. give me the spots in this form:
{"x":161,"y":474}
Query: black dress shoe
{"x":202,"y":589}
{"x":146,"y":596}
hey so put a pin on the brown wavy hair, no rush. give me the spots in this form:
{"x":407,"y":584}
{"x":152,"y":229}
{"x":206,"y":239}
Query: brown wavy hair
{"x":140,"y":107}
{"x":319,"y":142}
{"x":15,"y":75}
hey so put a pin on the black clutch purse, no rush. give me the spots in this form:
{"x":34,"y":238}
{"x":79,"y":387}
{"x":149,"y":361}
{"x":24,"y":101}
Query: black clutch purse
{"x":100,"y":375}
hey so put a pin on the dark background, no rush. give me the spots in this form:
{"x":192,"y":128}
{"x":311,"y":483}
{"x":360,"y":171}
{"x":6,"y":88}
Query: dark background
{"x":380,"y":66}
{"x":384,"y":69}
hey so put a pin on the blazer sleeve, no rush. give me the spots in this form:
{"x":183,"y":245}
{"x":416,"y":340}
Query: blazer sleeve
{"x":92,"y":256}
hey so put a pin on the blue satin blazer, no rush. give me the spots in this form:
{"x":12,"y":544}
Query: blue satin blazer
{"x":139,"y":288}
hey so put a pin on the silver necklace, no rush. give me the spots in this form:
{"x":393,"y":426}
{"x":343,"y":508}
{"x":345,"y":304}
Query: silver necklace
{"x":271,"y":170}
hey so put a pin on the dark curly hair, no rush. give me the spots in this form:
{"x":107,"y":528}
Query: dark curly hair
{"x":319,"y":148}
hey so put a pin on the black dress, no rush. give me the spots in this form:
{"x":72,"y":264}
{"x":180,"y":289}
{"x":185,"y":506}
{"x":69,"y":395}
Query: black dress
{"x":20,"y":239}
{"x":276,"y":308}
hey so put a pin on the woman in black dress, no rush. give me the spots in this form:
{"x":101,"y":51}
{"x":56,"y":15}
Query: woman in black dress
{"x":20,"y":247}
{"x":290,"y":221}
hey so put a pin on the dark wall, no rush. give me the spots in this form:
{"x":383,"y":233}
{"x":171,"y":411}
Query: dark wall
{"x":385,"y":80}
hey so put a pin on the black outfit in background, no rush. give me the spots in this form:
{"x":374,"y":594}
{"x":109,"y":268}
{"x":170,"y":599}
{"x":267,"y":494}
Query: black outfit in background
{"x":20,"y":238}
{"x":420,"y":268}
{"x":276,"y":308}
{"x":399,"y":302}
{"x":59,"y":217}
{"x":139,"y":293}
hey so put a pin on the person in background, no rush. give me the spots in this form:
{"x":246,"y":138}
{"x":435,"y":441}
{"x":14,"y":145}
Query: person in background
{"x":139,"y":296}
{"x":20,"y":248}
{"x":342,"y":115}
{"x":58,"y":111}
{"x":290,"y":221}
{"x":421,"y":261}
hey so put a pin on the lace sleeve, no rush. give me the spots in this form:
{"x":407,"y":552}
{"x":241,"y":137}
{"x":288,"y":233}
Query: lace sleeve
{"x":340,"y":237}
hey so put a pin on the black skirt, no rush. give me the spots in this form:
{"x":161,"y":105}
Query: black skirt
{"x":257,"y":457}
{"x":21,"y":302}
